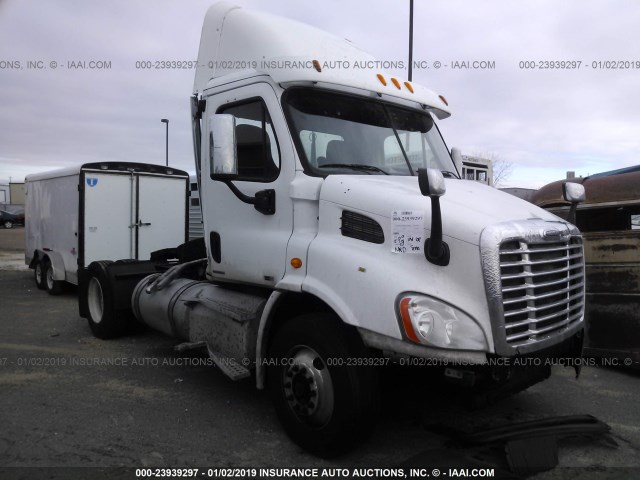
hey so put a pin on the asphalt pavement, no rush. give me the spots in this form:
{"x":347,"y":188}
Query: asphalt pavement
{"x":73,"y":406}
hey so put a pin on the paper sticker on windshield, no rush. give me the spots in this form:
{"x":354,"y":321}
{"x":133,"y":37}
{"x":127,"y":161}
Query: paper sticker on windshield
{"x":407,"y":231}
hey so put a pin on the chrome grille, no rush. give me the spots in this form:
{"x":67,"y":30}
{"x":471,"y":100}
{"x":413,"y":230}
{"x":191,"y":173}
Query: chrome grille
{"x":542,"y":286}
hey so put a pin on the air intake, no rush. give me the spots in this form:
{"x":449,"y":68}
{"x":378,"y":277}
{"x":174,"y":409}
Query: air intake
{"x":360,"y":227}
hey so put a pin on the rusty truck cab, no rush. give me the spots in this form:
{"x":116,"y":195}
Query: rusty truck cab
{"x":610,"y":222}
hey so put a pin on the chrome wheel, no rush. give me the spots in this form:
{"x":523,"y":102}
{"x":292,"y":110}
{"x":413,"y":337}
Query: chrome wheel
{"x":308,"y":387}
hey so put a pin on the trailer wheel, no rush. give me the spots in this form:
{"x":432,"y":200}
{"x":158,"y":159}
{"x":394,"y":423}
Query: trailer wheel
{"x":102,"y":318}
{"x":326,"y":402}
{"x":38,"y":275}
{"x":53,"y":287}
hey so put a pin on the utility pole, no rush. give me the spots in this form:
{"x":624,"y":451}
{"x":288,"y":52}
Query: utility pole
{"x":410,"y":40}
{"x":166,"y":121}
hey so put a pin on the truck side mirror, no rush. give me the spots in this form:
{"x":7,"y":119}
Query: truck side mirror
{"x":431,"y":182}
{"x":223,"y":151}
{"x":223,"y":158}
{"x":432,"y":185}
{"x":456,"y":156}
{"x":573,"y":193}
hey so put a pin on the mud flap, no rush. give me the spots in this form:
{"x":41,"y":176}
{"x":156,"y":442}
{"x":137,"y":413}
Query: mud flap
{"x":532,"y":447}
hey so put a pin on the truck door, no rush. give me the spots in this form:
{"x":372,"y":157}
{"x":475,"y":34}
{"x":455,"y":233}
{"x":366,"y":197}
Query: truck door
{"x":247,"y":245}
{"x":160,"y":214}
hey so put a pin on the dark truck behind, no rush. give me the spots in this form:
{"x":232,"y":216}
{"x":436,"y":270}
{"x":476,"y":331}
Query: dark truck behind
{"x":609,"y":220}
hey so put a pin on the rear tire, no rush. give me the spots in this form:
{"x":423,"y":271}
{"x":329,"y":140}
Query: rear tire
{"x":38,"y":275}
{"x":102,"y":319}
{"x":53,"y":287}
{"x":326,"y":404}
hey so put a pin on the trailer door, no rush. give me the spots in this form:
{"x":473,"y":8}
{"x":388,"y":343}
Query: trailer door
{"x":160,"y":214}
{"x":106,"y":222}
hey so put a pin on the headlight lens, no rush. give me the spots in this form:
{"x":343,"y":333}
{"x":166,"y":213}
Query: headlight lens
{"x":429,"y":321}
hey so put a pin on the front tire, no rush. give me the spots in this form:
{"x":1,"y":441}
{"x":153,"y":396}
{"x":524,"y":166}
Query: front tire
{"x":101,"y":316}
{"x":8,"y":224}
{"x":326,"y":403}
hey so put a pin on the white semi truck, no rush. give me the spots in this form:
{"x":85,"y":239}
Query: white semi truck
{"x":331,"y":246}
{"x":100,"y":211}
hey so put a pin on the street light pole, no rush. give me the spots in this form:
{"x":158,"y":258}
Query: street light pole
{"x":410,"y":41}
{"x":166,"y":121}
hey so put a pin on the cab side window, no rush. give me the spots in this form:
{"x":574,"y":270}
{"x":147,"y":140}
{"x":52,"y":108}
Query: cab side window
{"x":258,"y":153}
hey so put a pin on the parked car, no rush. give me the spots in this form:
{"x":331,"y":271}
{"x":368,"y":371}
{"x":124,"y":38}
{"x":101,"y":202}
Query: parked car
{"x":8,"y":219}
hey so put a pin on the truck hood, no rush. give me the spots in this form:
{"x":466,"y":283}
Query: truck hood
{"x":467,"y":206}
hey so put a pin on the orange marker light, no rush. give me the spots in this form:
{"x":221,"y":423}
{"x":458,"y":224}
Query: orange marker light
{"x":296,"y":262}
{"x":444,"y":100}
{"x":382,"y":79}
{"x":406,"y":319}
{"x":409,"y":86}
{"x":396,"y":82}
{"x":316,"y":65}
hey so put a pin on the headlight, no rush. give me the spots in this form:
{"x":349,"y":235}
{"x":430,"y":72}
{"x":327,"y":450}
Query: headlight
{"x":428,"y":321}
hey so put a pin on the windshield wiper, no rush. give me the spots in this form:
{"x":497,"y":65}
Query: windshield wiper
{"x":449,"y":174}
{"x":354,"y":166}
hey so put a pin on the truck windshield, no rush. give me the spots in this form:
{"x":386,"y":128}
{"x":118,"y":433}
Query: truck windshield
{"x":337,"y":133}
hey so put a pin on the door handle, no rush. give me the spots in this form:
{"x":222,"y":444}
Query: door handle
{"x":140,"y":223}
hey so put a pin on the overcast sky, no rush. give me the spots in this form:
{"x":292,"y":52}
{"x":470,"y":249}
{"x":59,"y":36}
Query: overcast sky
{"x":543,"y":121}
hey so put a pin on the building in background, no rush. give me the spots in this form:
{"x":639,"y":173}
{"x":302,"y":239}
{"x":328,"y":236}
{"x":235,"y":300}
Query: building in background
{"x":12,"y":197}
{"x":17,"y":193}
{"x":478,"y":169}
{"x":5,"y":194}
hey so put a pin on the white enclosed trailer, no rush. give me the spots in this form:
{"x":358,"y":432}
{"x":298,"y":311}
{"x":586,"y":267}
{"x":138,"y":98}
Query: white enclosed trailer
{"x":100,"y":211}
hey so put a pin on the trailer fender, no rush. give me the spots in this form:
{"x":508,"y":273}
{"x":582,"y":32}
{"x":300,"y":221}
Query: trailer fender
{"x":59,"y":272}
{"x":54,"y":258}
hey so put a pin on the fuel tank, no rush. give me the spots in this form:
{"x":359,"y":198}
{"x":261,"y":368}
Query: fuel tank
{"x":225,"y":319}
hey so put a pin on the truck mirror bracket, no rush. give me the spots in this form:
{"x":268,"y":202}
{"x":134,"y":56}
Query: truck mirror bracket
{"x":432,"y":185}
{"x":264,"y":200}
{"x":437,"y":258}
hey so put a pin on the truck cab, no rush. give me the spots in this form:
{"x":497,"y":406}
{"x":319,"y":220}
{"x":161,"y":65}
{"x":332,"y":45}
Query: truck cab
{"x":334,"y":154}
{"x":339,"y":236}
